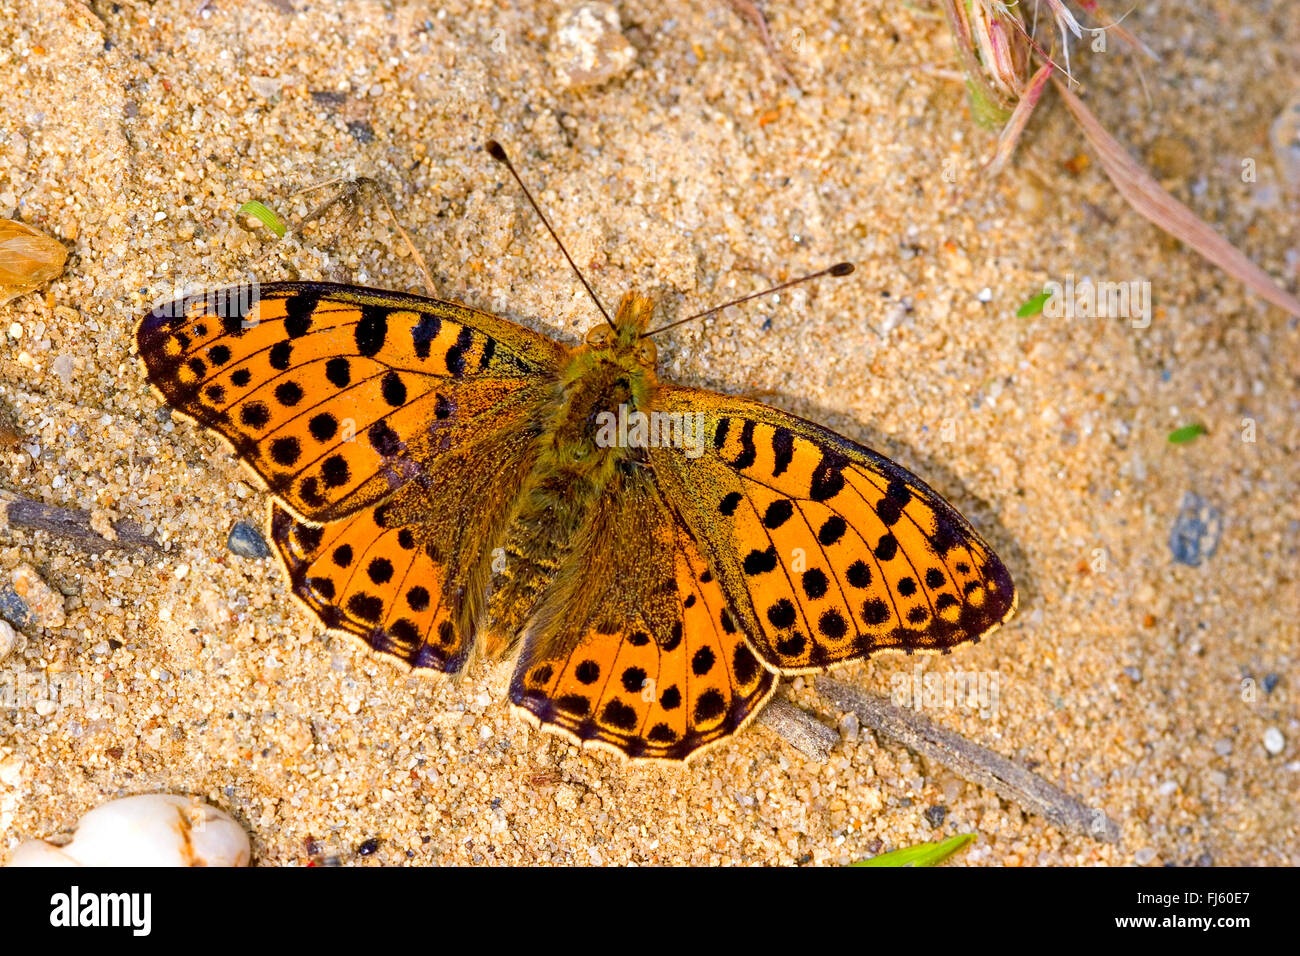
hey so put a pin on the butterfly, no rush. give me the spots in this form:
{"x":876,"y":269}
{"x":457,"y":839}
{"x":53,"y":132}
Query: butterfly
{"x":448,"y":484}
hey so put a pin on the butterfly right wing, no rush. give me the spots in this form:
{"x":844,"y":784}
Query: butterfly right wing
{"x":408,"y":576}
{"x":828,"y":551}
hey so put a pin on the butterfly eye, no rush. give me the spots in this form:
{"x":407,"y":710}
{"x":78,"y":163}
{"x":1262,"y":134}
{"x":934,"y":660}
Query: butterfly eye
{"x":646,"y":352}
{"x":600,"y":336}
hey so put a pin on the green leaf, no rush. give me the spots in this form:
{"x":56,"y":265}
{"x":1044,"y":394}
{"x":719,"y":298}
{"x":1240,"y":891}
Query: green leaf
{"x":264,"y":216}
{"x":925,"y":854}
{"x":1034,"y":306}
{"x":1181,"y":436}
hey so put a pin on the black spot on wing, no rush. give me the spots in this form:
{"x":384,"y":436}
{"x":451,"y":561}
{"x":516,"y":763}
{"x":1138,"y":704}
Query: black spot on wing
{"x":371,"y":330}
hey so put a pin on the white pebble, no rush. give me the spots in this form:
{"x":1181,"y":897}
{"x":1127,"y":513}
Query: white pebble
{"x":8,"y":639}
{"x":158,"y":829}
{"x":1274,"y":742}
{"x":265,"y":86}
{"x":589,"y":47}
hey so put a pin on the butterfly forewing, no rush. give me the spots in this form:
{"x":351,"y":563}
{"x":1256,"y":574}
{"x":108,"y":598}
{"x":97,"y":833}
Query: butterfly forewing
{"x":828,"y":551}
{"x":337,"y":395}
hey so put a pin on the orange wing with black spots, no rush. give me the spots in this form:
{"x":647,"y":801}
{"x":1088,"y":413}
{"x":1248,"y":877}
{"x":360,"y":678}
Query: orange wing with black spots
{"x":336,"y":396}
{"x":394,"y":431}
{"x":639,"y":654}
{"x":381,"y":584}
{"x":826,"y":550}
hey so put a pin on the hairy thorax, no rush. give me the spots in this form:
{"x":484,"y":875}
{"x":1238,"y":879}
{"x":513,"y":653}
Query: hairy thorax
{"x":612,"y":371}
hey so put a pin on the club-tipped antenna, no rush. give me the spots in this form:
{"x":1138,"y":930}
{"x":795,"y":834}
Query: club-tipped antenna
{"x":497,"y":152}
{"x":839,"y":269}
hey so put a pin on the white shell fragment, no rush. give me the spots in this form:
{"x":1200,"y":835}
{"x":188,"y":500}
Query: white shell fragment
{"x":157,"y":829}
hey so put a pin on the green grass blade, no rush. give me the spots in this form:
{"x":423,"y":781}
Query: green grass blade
{"x":925,"y":854}
{"x":1181,"y":436}
{"x":264,"y":216}
{"x":1034,"y":306}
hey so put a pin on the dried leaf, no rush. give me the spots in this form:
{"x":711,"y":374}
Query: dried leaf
{"x":1150,"y":199}
{"x":28,"y":259}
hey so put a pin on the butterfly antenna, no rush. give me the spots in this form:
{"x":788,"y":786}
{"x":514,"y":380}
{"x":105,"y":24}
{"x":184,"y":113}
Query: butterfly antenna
{"x":839,"y":269}
{"x":497,"y":152}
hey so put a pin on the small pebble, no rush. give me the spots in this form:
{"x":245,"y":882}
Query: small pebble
{"x":8,"y":639}
{"x":63,"y":366}
{"x":850,"y":727}
{"x":368,"y":847}
{"x":45,"y":604}
{"x":1195,"y":535}
{"x":1133,"y":674}
{"x":13,"y":608}
{"x":361,"y":131}
{"x":589,"y":46}
{"x":936,"y":815}
{"x":1270,"y":682}
{"x":1144,"y":856}
{"x":265,"y":86}
{"x":1274,"y":742}
{"x":247,"y":542}
{"x":1223,"y":746}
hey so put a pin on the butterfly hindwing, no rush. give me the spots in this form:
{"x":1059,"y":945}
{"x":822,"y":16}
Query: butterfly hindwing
{"x":638,"y":652}
{"x":338,"y":395}
{"x":381,"y":584}
{"x":828,"y":551}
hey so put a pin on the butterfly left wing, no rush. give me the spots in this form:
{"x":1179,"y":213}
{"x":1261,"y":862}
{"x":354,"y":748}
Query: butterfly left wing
{"x":394,"y":431}
{"x":336,"y":396}
{"x":827,"y":551}
{"x":634,"y":650}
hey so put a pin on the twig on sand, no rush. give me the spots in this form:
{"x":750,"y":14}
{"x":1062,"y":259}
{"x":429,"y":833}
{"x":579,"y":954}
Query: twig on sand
{"x":971,"y":761}
{"x":74,"y":526}
{"x":800,"y":729}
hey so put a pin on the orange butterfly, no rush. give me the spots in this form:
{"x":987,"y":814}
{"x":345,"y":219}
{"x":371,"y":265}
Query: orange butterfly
{"x":448,"y":483}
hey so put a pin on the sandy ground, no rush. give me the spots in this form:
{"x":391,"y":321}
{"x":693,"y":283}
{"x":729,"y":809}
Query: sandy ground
{"x":1143,"y":684}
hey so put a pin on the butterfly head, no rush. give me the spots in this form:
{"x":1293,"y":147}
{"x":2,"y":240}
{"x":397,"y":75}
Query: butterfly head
{"x":622,"y":341}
